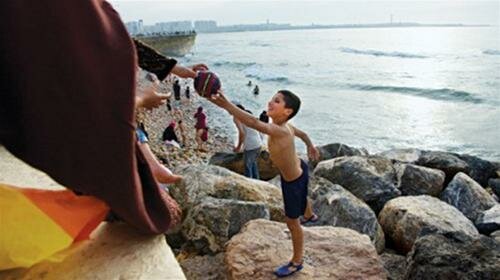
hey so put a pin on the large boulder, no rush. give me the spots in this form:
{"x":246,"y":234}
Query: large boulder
{"x":404,"y":217}
{"x":467,"y":196}
{"x":372,"y":179}
{"x":402,"y":155}
{"x":489,"y":221}
{"x":479,"y":169}
{"x":495,"y":186}
{"x":205,"y":267}
{"x":448,"y":162}
{"x":337,"y":207}
{"x":212,"y":222}
{"x":330,"y":253}
{"x":452,"y":256}
{"x":208,"y":180}
{"x":234,"y":162}
{"x":417,"y":180}
{"x":335,"y":150}
{"x":395,"y":265}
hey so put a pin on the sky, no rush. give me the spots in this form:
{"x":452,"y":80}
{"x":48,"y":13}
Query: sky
{"x":303,"y":12}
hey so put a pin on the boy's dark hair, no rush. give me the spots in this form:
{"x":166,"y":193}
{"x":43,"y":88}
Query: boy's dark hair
{"x":292,"y":101}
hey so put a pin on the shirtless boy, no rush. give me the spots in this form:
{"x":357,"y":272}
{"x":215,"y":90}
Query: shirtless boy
{"x":283,"y":106}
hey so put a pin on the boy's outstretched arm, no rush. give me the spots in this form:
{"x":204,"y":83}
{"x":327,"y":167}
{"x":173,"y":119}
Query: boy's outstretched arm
{"x":241,"y":136}
{"x":247,"y":119}
{"x":312,"y":151}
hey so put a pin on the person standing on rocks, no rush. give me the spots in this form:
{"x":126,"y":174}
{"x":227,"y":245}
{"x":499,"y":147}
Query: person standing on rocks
{"x":177,"y":95}
{"x":201,"y":128}
{"x":250,"y":140}
{"x":188,"y":94}
{"x":283,"y":106}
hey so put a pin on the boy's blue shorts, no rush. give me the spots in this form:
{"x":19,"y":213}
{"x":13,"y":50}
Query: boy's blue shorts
{"x":141,"y":136}
{"x":295,"y":193}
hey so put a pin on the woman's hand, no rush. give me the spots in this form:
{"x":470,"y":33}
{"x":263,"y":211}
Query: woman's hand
{"x":199,"y":67}
{"x":149,"y":98}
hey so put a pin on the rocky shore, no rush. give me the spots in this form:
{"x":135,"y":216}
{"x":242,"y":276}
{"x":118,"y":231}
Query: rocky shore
{"x":399,"y":214}
{"x":156,"y":120}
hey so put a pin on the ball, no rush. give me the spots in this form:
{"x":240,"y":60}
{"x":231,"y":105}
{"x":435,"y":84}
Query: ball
{"x":206,"y":83}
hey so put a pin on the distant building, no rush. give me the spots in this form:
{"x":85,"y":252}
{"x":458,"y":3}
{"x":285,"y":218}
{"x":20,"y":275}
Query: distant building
{"x":205,"y":26}
{"x":172,"y":27}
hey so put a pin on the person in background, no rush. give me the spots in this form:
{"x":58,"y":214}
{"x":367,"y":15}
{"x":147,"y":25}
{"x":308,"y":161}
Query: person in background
{"x":169,"y":136}
{"x":256,"y":90}
{"x":249,"y":84}
{"x":182,"y":132}
{"x":263,"y":117}
{"x":187,"y":93}
{"x":250,"y":141}
{"x":201,"y":128}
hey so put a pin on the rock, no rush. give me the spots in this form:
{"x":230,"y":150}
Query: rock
{"x":402,"y":155}
{"x":417,"y":180}
{"x":330,"y":253}
{"x":489,"y":221}
{"x":234,"y":162}
{"x":447,"y":162}
{"x":337,"y":207}
{"x":212,"y":222}
{"x":209,"y":180}
{"x":204,"y":267}
{"x":335,"y":150}
{"x":495,"y":186}
{"x":403,"y":218}
{"x":454,"y":256}
{"x":467,"y":196}
{"x":372,"y":179}
{"x":496,"y":235}
{"x":480,"y":170}
{"x":114,"y":251}
{"x":395,"y":266}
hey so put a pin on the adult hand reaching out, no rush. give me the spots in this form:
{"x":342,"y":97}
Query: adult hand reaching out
{"x":149,"y":98}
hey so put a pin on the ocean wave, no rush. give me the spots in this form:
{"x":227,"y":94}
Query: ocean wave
{"x":234,"y":64}
{"x":491,"y":52}
{"x":446,"y":94}
{"x":381,"y":53}
{"x":259,"y":44}
{"x":261,"y":74}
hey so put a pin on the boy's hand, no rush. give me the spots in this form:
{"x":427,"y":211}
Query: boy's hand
{"x":313,"y":153}
{"x":219,"y":99}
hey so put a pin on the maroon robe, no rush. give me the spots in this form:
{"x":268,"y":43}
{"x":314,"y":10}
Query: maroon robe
{"x":67,"y":92}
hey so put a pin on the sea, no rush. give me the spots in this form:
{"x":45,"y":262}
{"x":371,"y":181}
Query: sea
{"x":432,"y":88}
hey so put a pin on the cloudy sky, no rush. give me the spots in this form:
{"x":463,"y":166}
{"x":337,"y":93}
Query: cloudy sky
{"x":306,"y":12}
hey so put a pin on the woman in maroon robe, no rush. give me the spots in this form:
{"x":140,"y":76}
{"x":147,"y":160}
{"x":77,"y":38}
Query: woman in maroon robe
{"x":67,"y":97}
